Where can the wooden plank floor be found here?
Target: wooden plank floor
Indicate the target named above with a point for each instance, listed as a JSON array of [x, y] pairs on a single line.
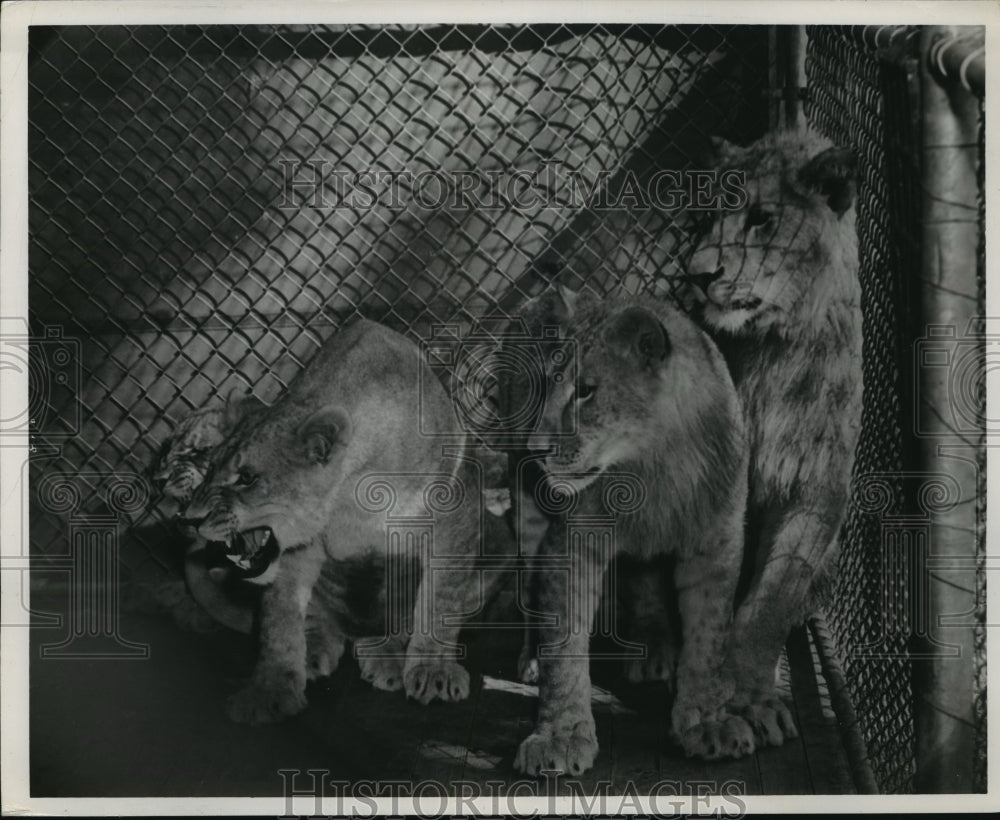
[[156, 727]]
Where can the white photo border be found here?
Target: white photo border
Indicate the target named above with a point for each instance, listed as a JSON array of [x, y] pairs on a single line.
[[15, 19]]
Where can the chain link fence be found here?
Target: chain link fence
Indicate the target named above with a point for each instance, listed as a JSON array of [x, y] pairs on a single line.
[[208, 204], [199, 220], [865, 92], [855, 96]]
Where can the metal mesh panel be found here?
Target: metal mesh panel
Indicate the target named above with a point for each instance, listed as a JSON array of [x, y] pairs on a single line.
[[164, 236], [860, 90]]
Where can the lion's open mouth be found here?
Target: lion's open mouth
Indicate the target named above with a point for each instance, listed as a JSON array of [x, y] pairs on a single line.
[[750, 303], [253, 551]]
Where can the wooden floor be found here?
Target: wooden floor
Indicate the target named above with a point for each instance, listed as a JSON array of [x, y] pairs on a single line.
[[156, 727]]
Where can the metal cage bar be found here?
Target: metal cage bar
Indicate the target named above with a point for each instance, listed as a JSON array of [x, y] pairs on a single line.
[[954, 436]]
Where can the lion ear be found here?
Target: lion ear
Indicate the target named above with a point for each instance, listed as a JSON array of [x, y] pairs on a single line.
[[557, 303], [832, 173], [565, 302], [322, 432], [638, 333]]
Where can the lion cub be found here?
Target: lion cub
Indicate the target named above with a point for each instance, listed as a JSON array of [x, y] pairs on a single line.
[[361, 439], [649, 435], [348, 601], [776, 284]]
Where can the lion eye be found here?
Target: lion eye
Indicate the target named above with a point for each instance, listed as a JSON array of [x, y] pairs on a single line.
[[585, 391], [246, 477], [757, 217]]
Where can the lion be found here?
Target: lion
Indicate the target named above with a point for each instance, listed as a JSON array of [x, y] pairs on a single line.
[[643, 397], [186, 456], [775, 283], [528, 358], [364, 436], [214, 573], [207, 595]]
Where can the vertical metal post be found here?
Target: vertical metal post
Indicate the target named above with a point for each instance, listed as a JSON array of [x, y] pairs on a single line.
[[792, 70], [947, 293], [773, 79]]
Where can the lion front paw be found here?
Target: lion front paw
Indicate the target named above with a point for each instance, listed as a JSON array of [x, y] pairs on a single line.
[[660, 664], [436, 678], [730, 737], [323, 656], [267, 701], [571, 750], [527, 664], [385, 673], [771, 721]]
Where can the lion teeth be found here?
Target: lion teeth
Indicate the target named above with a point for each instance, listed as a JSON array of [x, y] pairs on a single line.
[[257, 538], [241, 561]]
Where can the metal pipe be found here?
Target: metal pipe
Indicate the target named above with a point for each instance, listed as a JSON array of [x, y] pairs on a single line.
[[947, 441], [843, 707], [791, 54]]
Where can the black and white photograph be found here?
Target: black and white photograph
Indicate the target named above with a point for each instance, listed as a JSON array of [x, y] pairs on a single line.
[[487, 409]]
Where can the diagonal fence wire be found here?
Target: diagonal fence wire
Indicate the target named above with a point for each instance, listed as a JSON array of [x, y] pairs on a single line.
[[174, 227]]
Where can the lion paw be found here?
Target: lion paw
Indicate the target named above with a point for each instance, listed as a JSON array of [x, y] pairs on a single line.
[[527, 664], [660, 664], [385, 673], [436, 678], [571, 751], [771, 721], [267, 702], [731, 737], [323, 656]]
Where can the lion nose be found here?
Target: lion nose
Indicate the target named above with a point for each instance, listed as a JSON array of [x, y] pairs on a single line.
[[703, 280], [721, 292]]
